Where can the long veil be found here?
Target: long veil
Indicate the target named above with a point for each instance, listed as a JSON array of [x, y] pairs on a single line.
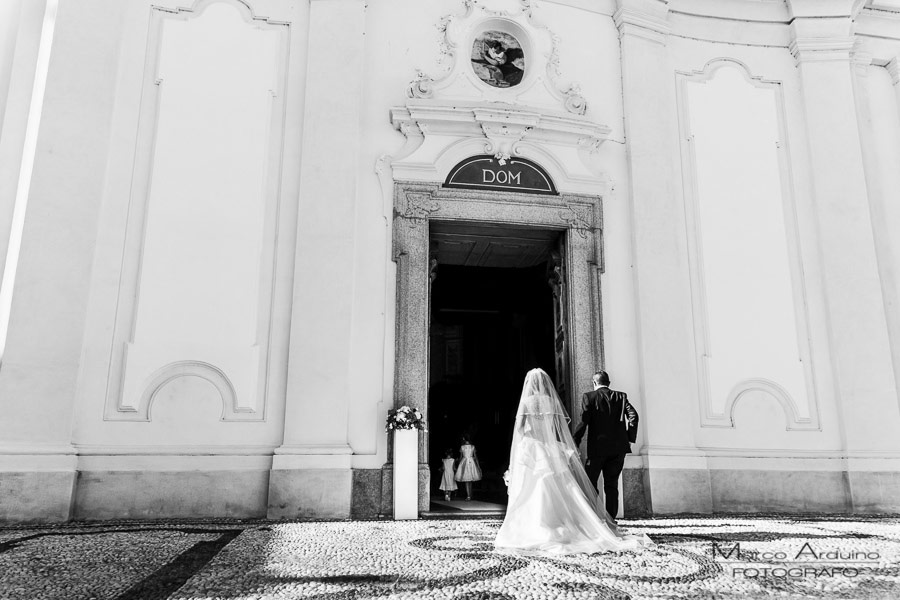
[[553, 507], [542, 417]]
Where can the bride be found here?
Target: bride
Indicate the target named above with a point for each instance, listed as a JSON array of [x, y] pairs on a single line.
[[553, 506]]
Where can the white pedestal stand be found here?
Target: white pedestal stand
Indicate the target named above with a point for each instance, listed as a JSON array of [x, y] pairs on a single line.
[[406, 474]]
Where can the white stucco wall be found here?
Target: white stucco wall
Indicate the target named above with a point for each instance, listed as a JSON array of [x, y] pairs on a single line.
[[251, 286]]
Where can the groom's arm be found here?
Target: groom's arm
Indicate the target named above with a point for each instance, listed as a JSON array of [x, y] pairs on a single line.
[[631, 417], [579, 431]]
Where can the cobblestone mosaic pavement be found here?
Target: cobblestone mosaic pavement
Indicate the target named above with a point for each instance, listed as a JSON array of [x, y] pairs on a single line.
[[701, 557]]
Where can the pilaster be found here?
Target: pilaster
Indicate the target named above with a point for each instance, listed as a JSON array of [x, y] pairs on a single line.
[[20, 52], [645, 19], [39, 372], [822, 39], [893, 68], [412, 257], [860, 351], [879, 149], [662, 281], [315, 454]]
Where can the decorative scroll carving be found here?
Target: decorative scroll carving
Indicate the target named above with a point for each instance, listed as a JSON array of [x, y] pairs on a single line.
[[420, 87], [578, 218], [432, 269], [554, 272], [458, 132], [590, 143], [502, 139], [419, 206], [458, 80], [573, 101]]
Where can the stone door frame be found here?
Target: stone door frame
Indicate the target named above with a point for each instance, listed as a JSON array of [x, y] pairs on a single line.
[[416, 204]]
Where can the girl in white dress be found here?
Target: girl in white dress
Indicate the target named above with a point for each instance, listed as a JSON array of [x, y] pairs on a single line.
[[553, 506], [448, 482], [468, 470]]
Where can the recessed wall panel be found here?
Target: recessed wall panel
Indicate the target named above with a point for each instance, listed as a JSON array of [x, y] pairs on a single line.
[[748, 298], [205, 193]]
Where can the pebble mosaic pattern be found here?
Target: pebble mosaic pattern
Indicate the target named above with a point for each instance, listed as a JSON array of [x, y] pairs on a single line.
[[721, 558]]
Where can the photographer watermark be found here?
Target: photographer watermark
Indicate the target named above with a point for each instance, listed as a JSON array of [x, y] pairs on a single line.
[[805, 562]]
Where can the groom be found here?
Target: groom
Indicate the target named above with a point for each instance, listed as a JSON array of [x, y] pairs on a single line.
[[611, 423]]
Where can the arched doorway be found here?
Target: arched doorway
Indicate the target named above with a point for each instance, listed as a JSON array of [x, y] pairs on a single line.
[[491, 319], [565, 224]]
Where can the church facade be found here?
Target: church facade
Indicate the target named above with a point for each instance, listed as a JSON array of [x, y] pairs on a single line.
[[235, 233]]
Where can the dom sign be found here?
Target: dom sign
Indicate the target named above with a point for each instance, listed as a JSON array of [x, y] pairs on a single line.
[[487, 173]]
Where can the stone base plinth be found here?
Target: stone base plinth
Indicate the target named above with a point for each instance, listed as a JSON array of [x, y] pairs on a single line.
[[40, 496], [310, 493], [151, 494]]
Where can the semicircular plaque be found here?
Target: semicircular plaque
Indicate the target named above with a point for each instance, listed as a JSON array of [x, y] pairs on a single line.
[[486, 172]]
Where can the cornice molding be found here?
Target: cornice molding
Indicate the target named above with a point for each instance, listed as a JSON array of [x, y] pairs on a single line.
[[439, 135], [821, 49], [861, 57], [822, 39], [36, 449], [502, 128], [200, 6], [824, 8], [884, 5]]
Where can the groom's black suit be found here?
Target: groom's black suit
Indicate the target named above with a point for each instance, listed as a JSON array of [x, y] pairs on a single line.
[[611, 424]]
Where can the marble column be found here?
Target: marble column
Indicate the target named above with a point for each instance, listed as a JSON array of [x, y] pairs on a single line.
[[676, 478], [411, 254], [860, 353], [311, 475]]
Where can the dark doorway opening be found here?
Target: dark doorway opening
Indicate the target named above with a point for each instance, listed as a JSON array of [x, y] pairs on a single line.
[[489, 326]]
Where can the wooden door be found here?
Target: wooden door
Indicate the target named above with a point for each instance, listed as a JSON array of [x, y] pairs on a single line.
[[556, 277]]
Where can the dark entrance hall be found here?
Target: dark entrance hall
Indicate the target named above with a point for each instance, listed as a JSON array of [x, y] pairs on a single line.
[[489, 326]]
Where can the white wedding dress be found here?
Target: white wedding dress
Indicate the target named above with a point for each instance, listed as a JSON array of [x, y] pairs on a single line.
[[553, 507]]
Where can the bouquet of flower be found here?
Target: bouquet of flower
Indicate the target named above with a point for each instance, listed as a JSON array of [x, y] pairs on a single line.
[[404, 418]]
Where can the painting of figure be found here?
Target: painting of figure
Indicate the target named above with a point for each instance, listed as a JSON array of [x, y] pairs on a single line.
[[498, 59]]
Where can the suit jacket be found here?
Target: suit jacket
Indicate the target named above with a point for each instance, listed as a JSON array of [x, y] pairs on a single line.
[[610, 420]]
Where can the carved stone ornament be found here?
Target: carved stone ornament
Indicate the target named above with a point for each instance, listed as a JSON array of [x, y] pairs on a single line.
[[499, 56], [502, 138], [419, 206], [499, 92], [420, 87], [578, 218]]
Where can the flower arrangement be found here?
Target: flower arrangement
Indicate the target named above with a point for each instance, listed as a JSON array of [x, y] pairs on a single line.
[[404, 418]]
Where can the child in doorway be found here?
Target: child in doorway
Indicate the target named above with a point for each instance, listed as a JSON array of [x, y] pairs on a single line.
[[448, 483], [468, 470]]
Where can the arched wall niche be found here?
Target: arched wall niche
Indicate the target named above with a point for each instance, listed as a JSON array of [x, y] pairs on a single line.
[[174, 371], [792, 418]]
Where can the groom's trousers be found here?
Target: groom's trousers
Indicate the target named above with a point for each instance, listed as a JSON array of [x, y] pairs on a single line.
[[610, 466]]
